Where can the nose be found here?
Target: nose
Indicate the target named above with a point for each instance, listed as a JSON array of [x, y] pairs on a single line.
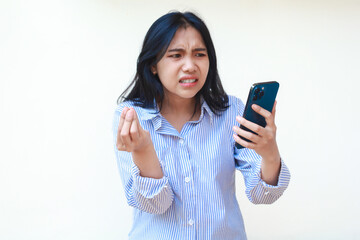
[[189, 65]]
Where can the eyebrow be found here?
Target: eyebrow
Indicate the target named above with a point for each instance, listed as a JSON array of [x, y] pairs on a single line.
[[183, 50]]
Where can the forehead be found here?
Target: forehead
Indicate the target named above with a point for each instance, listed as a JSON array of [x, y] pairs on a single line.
[[187, 37]]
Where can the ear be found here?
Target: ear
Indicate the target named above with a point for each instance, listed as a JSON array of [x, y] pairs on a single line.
[[153, 70]]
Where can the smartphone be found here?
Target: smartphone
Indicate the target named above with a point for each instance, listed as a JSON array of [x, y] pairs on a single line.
[[264, 95]]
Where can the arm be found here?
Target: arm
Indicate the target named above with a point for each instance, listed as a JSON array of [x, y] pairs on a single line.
[[131, 137], [266, 175], [257, 190], [146, 187], [264, 143]]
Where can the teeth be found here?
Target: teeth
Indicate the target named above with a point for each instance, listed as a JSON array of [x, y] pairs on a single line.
[[188, 80]]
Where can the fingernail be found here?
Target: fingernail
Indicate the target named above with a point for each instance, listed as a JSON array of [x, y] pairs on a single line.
[[239, 119], [124, 111], [129, 114]]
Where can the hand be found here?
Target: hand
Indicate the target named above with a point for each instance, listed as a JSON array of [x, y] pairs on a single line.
[[131, 137], [265, 142]]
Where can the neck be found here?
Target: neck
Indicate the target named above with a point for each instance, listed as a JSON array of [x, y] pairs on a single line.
[[180, 107]]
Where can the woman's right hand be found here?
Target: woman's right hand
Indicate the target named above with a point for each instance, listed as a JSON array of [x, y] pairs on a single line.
[[131, 137]]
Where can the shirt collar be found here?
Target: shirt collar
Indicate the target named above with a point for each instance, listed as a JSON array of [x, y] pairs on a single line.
[[147, 113], [151, 113], [205, 107]]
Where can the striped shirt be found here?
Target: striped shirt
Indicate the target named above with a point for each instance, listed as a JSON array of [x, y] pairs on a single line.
[[196, 197]]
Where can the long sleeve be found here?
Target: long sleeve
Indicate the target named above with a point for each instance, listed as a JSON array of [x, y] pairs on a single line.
[[146, 194], [196, 197], [258, 191], [249, 163]]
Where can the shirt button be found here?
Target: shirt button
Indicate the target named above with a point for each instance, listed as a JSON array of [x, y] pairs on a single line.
[[187, 179], [181, 141], [191, 222], [267, 192]]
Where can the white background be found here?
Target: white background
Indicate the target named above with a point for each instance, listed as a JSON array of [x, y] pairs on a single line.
[[64, 63]]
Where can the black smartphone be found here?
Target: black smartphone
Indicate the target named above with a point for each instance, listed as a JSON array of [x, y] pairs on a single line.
[[264, 95]]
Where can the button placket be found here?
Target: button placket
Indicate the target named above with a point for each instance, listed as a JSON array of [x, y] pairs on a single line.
[[187, 173]]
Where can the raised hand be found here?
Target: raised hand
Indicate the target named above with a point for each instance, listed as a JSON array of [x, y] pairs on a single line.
[[131, 136], [263, 142]]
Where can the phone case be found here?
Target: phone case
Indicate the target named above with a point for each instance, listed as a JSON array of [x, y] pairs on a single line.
[[264, 95]]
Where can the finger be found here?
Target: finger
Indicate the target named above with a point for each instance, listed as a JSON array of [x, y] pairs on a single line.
[[274, 110], [119, 142], [125, 131], [274, 107], [134, 130], [122, 117], [244, 143], [246, 134], [250, 125], [136, 119], [263, 112]]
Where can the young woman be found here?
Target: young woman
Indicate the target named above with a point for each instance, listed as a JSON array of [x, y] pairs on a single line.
[[175, 131]]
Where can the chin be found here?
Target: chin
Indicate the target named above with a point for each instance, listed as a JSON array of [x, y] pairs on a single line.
[[188, 96]]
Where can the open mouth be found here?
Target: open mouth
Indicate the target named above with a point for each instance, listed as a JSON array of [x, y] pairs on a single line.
[[188, 80]]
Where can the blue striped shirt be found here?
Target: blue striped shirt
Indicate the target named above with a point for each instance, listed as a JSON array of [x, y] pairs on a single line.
[[196, 197]]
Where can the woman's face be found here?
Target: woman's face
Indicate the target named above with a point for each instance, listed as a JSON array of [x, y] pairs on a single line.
[[184, 67]]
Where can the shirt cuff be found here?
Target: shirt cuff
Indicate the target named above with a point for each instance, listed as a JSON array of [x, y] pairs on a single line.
[[283, 181], [148, 187]]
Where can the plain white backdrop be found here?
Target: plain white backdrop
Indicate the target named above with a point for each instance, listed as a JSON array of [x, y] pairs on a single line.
[[64, 63]]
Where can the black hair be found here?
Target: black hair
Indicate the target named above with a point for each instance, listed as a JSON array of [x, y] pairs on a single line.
[[146, 89]]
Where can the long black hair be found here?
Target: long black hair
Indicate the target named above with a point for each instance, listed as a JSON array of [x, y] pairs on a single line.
[[146, 89]]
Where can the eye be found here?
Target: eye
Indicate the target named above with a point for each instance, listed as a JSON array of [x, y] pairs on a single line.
[[200, 54], [176, 55]]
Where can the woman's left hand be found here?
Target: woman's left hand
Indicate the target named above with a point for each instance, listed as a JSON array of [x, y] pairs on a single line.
[[264, 143]]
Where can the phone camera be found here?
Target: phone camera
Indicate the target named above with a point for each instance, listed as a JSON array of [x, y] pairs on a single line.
[[261, 94], [258, 93]]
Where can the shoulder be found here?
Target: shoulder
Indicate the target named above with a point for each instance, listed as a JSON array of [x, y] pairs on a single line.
[[235, 104], [233, 100], [124, 104], [235, 108], [143, 113]]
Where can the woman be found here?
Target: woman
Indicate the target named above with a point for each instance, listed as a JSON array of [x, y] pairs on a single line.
[[175, 132]]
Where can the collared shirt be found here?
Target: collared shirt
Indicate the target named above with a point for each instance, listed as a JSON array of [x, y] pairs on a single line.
[[195, 199]]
